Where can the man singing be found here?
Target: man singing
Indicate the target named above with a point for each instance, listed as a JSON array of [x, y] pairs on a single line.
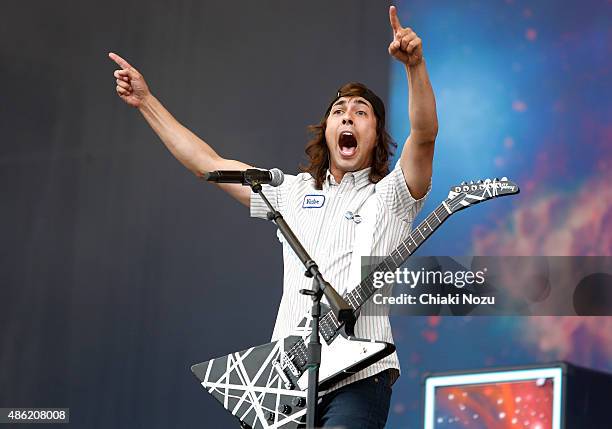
[[344, 205]]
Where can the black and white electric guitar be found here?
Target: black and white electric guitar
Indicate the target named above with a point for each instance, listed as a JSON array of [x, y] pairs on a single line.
[[266, 386]]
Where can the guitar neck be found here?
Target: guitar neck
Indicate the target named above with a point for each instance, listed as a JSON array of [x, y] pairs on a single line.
[[360, 294]]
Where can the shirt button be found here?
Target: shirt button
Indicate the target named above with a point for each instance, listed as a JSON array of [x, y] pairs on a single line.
[[349, 215]]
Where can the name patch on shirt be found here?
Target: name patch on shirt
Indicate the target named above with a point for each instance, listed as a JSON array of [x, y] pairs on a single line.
[[313, 201]]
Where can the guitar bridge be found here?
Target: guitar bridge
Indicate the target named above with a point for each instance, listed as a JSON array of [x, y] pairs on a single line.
[[282, 375], [287, 363]]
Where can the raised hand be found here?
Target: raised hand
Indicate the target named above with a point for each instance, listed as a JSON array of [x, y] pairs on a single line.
[[131, 86], [406, 45]]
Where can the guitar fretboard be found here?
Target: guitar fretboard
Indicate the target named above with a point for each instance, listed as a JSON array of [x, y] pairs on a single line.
[[364, 290], [328, 324]]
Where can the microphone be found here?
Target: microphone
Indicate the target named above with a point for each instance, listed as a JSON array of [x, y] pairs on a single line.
[[272, 177]]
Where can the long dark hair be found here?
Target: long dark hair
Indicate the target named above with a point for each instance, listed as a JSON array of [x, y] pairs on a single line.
[[318, 153]]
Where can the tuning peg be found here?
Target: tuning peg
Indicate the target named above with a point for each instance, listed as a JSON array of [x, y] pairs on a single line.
[[505, 179], [496, 179], [471, 182], [463, 183], [479, 182]]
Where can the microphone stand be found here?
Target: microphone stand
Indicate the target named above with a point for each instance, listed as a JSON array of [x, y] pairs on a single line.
[[342, 311]]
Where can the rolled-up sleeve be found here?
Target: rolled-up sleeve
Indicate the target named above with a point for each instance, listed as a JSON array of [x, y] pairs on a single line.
[[394, 191]]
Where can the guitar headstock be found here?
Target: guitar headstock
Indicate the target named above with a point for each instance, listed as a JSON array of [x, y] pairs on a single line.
[[467, 194]]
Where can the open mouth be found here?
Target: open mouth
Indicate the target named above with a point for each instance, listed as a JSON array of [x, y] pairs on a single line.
[[347, 143]]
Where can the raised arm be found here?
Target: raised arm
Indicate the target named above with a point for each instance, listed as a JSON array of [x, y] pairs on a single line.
[[417, 155], [189, 149]]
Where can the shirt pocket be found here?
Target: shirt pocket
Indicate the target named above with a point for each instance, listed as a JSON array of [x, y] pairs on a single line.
[[342, 236]]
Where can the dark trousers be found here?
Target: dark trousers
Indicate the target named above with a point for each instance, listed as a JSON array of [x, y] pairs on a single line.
[[363, 404]]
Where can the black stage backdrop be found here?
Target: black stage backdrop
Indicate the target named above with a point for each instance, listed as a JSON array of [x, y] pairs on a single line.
[[118, 268]]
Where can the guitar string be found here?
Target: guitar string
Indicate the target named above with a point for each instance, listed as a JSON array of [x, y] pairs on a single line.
[[300, 347], [323, 323]]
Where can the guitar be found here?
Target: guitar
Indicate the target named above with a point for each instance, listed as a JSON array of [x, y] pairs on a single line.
[[266, 386]]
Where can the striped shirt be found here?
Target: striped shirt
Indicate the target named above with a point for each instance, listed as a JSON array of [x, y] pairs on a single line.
[[325, 223]]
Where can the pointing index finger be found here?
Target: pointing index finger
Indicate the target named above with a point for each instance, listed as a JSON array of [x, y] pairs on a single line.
[[120, 61], [394, 20]]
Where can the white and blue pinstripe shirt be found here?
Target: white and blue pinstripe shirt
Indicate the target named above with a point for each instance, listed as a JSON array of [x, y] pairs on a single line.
[[336, 242]]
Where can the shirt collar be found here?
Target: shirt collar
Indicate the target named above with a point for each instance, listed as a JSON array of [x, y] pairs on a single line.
[[358, 178]]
